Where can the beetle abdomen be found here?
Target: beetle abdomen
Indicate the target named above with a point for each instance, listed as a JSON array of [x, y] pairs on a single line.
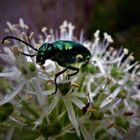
[[71, 52]]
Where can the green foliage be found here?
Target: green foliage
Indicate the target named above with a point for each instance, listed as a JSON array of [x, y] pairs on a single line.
[[4, 85], [96, 115], [25, 133], [117, 72], [5, 111], [122, 121], [49, 129], [32, 67], [69, 136], [64, 87], [102, 134], [89, 68], [120, 18]]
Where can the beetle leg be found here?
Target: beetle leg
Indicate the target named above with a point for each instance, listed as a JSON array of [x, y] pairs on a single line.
[[55, 79], [74, 69]]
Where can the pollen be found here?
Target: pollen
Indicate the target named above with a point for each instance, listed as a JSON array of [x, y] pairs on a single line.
[[91, 110], [31, 35], [75, 85], [29, 97], [16, 51]]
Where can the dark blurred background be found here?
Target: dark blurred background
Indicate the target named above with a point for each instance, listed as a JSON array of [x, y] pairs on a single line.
[[120, 18]]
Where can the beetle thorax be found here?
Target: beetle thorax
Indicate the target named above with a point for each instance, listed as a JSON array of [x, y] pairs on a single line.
[[46, 51]]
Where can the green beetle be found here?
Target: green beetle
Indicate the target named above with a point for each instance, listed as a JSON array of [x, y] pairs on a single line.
[[64, 52]]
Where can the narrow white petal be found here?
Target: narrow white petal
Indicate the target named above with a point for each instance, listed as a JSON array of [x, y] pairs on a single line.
[[48, 92], [17, 121], [13, 74], [101, 66], [8, 56], [9, 97], [108, 37], [78, 102], [9, 134], [39, 93], [7, 74], [21, 23], [96, 34], [130, 67], [86, 134], [71, 115], [81, 40], [52, 105], [110, 98], [80, 95]]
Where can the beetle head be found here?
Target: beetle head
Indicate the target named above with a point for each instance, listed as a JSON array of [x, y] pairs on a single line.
[[46, 51]]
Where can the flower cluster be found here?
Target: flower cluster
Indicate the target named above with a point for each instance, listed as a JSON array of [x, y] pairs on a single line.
[[100, 102]]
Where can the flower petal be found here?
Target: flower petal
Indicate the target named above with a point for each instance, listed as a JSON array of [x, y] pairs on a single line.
[[78, 102], [9, 134], [13, 74], [52, 105], [71, 115], [9, 97], [39, 93], [86, 134], [110, 98]]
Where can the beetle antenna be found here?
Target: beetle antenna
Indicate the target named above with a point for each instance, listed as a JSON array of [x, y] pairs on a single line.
[[31, 55], [12, 37]]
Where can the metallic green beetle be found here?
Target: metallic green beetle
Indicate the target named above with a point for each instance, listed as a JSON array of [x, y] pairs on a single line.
[[65, 53]]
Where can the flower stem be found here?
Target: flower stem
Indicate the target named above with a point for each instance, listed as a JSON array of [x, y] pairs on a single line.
[[81, 83]]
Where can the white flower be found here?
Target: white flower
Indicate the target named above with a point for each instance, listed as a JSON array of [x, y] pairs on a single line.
[[104, 89]]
